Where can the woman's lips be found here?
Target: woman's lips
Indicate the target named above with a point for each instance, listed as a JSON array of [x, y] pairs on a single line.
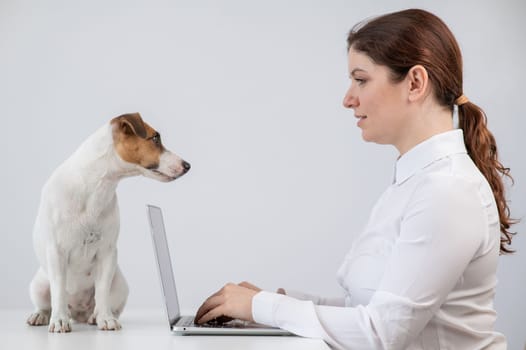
[[360, 119]]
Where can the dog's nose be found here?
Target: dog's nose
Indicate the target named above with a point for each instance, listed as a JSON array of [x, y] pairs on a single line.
[[186, 166]]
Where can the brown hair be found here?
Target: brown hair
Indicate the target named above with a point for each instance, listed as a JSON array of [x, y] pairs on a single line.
[[403, 39]]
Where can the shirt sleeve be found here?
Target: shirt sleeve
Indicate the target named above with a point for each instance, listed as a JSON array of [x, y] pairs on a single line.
[[316, 299], [442, 229]]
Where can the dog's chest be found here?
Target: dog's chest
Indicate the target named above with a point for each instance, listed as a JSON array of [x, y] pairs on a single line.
[[88, 229], [91, 237], [89, 240], [85, 247]]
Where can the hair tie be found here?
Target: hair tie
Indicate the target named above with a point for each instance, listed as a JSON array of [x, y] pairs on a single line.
[[461, 100]]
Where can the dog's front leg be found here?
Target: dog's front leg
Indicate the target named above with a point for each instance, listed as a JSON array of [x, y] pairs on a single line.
[[57, 260], [103, 315]]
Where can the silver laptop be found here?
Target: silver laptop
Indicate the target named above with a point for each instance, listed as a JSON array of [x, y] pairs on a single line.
[[184, 325]]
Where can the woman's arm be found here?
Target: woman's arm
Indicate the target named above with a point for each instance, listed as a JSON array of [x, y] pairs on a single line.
[[317, 300]]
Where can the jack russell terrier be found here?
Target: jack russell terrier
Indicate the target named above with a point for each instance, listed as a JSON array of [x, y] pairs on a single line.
[[76, 229]]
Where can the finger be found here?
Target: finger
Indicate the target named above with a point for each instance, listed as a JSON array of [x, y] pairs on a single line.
[[211, 303], [205, 306], [249, 286], [212, 314]]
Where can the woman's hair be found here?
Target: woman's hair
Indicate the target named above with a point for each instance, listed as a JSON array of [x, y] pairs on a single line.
[[401, 40]]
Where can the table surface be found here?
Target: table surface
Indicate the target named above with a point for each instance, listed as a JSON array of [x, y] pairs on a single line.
[[141, 329]]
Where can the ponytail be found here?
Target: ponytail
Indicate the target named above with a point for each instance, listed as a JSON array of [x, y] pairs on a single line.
[[482, 149]]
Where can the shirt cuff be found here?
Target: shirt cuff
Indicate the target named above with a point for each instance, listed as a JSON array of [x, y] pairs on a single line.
[[264, 305]]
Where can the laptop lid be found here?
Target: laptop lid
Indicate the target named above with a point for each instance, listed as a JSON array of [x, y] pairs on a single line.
[[162, 254]]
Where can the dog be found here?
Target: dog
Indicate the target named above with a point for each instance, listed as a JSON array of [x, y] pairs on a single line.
[[77, 225]]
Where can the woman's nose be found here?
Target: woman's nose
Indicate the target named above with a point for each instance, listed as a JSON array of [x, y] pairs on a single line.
[[350, 100]]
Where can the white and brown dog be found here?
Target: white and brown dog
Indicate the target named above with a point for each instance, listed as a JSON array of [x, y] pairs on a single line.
[[76, 229]]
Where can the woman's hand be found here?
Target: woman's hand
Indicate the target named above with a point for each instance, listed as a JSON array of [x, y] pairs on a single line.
[[232, 301]]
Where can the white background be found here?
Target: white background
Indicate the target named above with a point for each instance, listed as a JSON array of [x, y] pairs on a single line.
[[249, 92]]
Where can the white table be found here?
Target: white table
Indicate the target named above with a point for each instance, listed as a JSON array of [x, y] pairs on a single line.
[[142, 329]]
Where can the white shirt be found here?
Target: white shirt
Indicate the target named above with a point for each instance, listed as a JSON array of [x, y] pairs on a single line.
[[422, 275]]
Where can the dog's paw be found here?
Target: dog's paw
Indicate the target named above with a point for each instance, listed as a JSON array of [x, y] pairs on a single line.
[[59, 324], [39, 318], [108, 324]]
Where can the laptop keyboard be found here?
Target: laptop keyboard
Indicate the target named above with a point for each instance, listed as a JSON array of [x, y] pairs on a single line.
[[189, 322]]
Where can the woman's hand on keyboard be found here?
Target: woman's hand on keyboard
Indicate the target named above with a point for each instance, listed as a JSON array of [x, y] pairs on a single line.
[[233, 300]]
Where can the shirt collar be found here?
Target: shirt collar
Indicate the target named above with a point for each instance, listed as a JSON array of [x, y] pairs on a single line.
[[427, 152]]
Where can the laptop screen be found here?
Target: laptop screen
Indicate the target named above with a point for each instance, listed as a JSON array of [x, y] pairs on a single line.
[[162, 254]]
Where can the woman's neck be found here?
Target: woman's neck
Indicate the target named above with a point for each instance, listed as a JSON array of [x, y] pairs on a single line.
[[428, 121]]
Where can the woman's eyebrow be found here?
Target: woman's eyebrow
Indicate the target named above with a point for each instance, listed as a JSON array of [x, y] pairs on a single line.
[[357, 70]]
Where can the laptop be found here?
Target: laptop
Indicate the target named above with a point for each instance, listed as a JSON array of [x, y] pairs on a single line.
[[184, 325]]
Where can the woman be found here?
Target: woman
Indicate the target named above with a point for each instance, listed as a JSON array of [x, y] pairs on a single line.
[[422, 275]]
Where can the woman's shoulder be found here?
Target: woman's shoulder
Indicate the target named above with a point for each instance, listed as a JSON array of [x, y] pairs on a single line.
[[458, 176], [451, 187]]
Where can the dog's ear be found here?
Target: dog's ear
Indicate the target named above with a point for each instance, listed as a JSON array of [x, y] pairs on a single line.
[[130, 124]]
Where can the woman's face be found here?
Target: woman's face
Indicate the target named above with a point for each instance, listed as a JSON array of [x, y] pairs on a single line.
[[379, 104]]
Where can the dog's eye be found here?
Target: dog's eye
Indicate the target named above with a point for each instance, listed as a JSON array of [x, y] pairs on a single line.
[[156, 139]]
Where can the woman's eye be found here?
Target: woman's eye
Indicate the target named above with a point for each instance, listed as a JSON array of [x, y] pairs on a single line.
[[360, 81]]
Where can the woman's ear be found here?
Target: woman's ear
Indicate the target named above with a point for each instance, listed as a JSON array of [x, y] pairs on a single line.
[[418, 82]]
